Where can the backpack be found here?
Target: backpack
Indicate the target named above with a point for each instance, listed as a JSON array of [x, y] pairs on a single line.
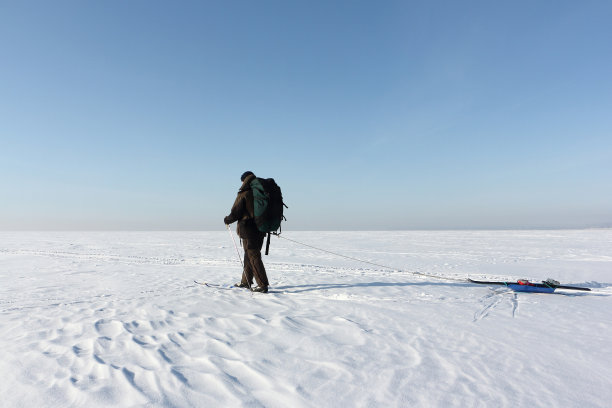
[[268, 207]]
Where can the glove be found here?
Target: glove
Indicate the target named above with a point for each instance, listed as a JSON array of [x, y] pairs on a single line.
[[226, 220]]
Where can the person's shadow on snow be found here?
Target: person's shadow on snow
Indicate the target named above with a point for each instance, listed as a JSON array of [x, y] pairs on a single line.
[[326, 286]]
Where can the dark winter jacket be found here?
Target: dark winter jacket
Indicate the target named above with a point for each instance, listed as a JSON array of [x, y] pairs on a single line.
[[243, 212]]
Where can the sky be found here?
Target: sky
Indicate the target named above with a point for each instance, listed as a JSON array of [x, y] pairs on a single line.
[[370, 115]]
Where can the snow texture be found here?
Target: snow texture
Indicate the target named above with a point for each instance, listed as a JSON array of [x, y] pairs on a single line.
[[98, 319]]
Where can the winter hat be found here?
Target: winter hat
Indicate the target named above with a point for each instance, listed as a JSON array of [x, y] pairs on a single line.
[[245, 175]]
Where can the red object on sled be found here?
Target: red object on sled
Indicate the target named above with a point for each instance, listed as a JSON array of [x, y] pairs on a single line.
[[524, 282]]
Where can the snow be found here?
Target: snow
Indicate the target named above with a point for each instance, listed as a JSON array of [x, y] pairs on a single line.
[[98, 319]]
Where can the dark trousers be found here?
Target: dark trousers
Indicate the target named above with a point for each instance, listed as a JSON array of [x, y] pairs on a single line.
[[253, 265]]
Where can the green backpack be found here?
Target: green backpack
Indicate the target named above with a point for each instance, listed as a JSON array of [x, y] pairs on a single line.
[[268, 205]]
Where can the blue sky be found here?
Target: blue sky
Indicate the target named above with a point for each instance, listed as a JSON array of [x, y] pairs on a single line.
[[369, 114]]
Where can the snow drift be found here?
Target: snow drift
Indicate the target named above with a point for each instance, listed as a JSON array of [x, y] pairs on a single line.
[[115, 319]]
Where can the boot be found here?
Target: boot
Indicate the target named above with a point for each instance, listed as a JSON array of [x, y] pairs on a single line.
[[261, 289]]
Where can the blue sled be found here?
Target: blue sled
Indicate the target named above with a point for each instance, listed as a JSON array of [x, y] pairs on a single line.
[[527, 288], [523, 285]]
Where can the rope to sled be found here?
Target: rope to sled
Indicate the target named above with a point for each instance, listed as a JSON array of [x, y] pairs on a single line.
[[373, 263]]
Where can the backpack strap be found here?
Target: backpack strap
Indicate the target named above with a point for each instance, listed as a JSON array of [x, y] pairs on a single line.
[[268, 244]]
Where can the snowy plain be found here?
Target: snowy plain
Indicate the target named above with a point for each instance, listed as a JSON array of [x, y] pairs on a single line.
[[99, 319]]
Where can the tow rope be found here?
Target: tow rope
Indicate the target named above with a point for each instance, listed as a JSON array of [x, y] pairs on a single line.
[[376, 264]]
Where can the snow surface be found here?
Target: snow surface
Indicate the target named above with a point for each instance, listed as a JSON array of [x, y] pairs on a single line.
[[102, 319]]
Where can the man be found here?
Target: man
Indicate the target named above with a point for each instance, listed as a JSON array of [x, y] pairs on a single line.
[[252, 239]]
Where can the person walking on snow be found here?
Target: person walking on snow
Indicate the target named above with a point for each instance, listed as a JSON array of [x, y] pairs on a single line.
[[252, 239]]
